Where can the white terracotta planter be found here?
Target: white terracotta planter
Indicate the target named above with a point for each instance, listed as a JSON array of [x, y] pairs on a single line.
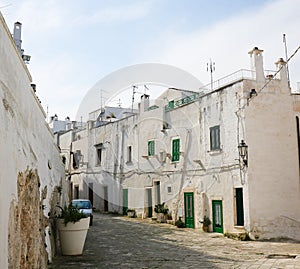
[[72, 236]]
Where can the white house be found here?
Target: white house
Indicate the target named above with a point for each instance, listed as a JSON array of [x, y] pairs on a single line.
[[184, 151]]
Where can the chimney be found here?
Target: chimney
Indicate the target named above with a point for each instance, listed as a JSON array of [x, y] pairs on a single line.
[[281, 65], [145, 102], [17, 36], [257, 66]]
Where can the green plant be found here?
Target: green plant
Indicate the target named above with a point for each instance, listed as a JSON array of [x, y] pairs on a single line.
[[71, 213], [206, 221], [179, 223], [131, 213], [161, 208]]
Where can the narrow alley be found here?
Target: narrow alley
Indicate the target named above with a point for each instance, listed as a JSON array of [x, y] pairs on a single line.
[[119, 242]]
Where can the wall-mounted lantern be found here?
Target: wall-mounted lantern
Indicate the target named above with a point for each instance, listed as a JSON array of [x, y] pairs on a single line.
[[243, 152]]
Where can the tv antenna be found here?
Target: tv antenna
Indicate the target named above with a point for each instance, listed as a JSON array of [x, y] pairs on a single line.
[[133, 93], [286, 58], [210, 67]]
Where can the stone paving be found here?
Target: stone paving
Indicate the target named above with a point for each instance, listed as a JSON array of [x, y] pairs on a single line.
[[118, 242]]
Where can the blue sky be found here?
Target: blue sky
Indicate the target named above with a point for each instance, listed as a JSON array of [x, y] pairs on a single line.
[[73, 44]]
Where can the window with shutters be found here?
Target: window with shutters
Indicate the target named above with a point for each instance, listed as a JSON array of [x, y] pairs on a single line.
[[215, 138], [175, 150], [151, 148]]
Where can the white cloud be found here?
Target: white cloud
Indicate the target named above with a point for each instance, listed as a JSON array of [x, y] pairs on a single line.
[[227, 42], [118, 13]]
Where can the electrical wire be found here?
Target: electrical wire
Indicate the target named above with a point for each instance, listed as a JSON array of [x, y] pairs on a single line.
[[265, 85]]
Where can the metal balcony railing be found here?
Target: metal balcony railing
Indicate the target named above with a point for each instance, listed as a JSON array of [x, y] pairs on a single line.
[[206, 89]]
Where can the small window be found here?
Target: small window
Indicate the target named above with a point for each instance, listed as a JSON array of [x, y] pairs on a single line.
[[129, 154], [169, 189], [99, 155], [99, 149], [215, 138], [151, 148], [175, 150]]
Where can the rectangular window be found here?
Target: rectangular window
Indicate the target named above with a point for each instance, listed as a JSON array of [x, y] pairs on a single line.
[[239, 206], [175, 150], [215, 138], [99, 148], [169, 189], [129, 154], [151, 148], [99, 155]]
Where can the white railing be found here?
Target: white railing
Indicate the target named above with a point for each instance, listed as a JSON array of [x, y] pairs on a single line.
[[234, 77]]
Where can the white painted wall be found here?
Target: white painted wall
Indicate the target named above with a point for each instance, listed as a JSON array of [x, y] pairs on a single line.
[[25, 139]]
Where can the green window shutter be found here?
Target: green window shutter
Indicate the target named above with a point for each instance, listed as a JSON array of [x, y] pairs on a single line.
[[175, 150], [151, 148], [215, 138]]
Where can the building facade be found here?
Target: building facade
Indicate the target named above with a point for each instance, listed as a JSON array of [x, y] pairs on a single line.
[[184, 151], [32, 174]]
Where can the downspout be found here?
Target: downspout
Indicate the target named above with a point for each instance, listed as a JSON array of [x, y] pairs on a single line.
[[187, 140]]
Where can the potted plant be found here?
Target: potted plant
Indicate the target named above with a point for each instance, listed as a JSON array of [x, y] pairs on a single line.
[[205, 223], [162, 211], [131, 213], [179, 223], [72, 227]]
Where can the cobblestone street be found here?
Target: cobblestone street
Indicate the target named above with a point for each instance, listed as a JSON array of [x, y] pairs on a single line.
[[119, 242]]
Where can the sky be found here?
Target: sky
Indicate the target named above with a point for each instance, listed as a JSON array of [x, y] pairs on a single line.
[[73, 44]]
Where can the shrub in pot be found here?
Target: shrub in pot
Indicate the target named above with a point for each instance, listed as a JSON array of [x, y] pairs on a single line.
[[162, 211], [72, 227]]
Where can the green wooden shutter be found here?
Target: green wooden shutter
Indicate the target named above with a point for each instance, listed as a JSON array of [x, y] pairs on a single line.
[[151, 148], [175, 150], [215, 138]]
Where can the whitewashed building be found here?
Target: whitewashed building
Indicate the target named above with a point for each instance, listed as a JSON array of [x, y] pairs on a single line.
[[184, 151], [32, 174]]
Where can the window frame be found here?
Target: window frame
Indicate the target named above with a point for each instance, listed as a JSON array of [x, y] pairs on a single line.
[[99, 152], [215, 141], [129, 154], [175, 149], [151, 147]]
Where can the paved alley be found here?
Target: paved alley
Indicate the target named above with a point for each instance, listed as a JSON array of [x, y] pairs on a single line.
[[115, 242]]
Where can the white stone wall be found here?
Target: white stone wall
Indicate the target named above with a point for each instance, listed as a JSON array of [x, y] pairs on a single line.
[[26, 143], [273, 173], [270, 182]]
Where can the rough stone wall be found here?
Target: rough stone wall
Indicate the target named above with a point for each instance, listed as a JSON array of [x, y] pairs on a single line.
[[27, 223]]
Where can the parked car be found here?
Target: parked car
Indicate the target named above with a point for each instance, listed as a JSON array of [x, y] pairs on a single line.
[[84, 206]]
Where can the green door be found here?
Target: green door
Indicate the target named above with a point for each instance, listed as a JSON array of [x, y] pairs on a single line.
[[217, 216], [189, 209], [125, 201]]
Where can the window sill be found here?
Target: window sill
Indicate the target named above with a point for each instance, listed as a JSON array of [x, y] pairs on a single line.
[[238, 227], [215, 151]]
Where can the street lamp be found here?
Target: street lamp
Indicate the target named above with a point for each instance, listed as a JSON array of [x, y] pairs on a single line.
[[243, 152]]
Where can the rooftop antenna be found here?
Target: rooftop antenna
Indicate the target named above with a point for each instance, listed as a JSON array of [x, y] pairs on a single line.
[[210, 67], [133, 92], [286, 58], [119, 103], [146, 88]]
